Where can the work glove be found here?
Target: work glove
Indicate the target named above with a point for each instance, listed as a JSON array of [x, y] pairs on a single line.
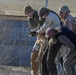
[[32, 33]]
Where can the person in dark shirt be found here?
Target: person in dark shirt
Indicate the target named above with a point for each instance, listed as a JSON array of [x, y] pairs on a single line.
[[65, 37]]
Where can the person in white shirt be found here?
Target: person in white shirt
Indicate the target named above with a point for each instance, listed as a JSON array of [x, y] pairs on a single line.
[[51, 20]]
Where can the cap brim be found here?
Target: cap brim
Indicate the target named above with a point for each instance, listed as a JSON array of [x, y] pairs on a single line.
[[60, 11]]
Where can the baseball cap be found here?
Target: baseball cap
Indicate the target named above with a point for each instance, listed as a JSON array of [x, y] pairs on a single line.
[[64, 9]]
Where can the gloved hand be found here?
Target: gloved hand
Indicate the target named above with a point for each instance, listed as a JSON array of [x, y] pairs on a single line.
[[32, 33]]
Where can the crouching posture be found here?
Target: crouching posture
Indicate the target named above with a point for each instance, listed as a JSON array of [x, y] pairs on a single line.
[[67, 38], [41, 42], [51, 20]]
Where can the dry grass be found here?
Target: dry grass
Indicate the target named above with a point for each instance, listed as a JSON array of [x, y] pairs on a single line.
[[15, 7]]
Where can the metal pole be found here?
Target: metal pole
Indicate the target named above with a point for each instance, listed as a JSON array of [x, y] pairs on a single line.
[[46, 4]]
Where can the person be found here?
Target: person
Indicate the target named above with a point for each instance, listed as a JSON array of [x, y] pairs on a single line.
[[51, 20], [68, 19], [67, 38], [34, 24]]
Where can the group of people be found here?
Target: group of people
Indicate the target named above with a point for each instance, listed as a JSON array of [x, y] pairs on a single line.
[[56, 40]]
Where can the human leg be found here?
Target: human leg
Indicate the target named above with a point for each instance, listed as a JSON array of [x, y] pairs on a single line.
[[52, 53], [67, 67], [41, 59], [34, 63], [44, 64], [51, 59], [69, 64]]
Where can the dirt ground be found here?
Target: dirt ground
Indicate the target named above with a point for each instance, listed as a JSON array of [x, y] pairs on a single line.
[[10, 70]]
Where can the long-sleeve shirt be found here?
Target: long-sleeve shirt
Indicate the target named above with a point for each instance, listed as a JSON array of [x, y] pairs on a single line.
[[33, 22], [69, 21], [51, 20], [66, 41], [67, 38]]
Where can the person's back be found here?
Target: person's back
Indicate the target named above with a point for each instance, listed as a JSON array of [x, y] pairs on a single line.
[[54, 20], [68, 33]]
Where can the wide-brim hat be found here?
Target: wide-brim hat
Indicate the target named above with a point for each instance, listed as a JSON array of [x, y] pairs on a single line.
[[27, 9], [41, 12]]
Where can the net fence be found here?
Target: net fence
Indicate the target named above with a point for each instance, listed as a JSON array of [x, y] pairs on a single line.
[[15, 45]]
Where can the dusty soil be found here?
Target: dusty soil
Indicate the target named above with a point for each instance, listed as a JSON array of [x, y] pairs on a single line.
[[10, 70]]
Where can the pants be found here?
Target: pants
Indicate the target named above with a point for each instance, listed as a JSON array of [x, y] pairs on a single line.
[[44, 64], [48, 63], [38, 49], [51, 60], [69, 64], [34, 64], [59, 59]]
